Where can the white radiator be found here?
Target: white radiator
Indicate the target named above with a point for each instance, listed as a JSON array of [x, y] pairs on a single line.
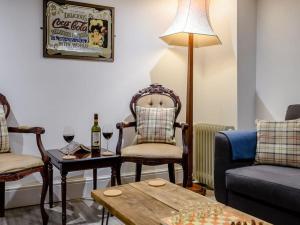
[[204, 147]]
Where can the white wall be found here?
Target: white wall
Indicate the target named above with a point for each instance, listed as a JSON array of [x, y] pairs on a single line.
[[278, 62], [246, 54], [54, 93], [215, 97]]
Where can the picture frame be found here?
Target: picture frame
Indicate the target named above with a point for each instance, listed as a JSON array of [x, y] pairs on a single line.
[[75, 30]]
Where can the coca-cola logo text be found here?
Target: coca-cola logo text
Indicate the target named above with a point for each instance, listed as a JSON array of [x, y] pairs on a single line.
[[70, 25]]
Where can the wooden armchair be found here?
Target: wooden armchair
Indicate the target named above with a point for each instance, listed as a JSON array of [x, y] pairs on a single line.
[[14, 167], [154, 153]]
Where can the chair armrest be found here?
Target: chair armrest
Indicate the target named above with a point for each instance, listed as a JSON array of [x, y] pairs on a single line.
[[33, 130], [25, 129], [223, 162], [184, 127], [120, 126]]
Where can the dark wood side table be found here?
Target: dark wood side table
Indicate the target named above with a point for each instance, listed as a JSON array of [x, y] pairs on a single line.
[[83, 161]]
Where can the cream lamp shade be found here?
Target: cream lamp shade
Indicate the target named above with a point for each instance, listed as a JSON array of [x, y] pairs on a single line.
[[191, 18]]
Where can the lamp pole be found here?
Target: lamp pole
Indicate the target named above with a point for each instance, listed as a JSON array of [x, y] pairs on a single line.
[[189, 106]]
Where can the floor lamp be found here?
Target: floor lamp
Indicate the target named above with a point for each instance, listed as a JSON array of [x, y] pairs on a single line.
[[191, 28]]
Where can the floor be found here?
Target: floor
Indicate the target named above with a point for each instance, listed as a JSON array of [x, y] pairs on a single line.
[[81, 211]]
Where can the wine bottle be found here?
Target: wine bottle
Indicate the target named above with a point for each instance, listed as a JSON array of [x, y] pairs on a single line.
[[96, 135]]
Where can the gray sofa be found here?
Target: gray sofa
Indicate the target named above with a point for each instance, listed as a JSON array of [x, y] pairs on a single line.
[[268, 192]]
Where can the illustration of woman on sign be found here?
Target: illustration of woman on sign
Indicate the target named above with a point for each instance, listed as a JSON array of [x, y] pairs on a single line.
[[97, 33]]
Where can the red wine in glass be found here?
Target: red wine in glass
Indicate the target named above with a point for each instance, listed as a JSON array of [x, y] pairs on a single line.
[[68, 138], [68, 135], [107, 135]]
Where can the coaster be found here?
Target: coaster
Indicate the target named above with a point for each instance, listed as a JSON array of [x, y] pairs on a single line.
[[112, 193], [69, 157], [156, 183], [107, 153]]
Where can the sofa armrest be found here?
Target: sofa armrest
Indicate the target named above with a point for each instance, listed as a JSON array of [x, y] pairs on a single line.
[[223, 162]]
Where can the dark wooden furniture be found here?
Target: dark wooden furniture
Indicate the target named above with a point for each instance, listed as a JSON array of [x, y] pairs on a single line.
[[155, 96], [83, 161], [13, 176], [152, 204]]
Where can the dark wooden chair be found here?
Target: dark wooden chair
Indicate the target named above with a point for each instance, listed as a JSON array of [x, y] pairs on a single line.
[[14, 167], [155, 153]]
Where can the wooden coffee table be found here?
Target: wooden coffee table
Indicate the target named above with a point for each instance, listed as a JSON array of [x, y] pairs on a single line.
[[147, 205]]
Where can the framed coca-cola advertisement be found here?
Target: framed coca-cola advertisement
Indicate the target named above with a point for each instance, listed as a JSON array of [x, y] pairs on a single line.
[[77, 30]]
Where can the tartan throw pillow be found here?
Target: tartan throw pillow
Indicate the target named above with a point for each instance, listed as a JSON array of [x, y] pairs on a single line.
[[155, 125], [4, 141], [278, 143]]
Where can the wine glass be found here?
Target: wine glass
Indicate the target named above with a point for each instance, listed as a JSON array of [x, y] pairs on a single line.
[[68, 135], [107, 132]]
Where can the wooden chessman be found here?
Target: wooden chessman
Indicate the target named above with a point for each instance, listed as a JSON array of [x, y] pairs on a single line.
[[245, 223]]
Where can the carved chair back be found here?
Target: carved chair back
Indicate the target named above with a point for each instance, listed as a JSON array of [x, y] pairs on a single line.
[[155, 96], [4, 102]]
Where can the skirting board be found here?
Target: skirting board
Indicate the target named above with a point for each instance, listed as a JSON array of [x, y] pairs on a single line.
[[76, 188]]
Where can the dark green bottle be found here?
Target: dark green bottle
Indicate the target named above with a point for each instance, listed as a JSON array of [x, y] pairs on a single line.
[[96, 135]]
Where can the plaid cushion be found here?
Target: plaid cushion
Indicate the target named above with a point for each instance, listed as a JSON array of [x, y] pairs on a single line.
[[155, 125], [4, 142], [278, 143]]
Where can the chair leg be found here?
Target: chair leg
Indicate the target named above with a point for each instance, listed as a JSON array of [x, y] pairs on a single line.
[[119, 173], [171, 172], [2, 199], [138, 172], [185, 173], [45, 177]]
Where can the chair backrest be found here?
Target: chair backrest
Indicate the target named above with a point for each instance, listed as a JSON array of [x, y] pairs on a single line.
[[155, 96], [293, 112], [4, 102]]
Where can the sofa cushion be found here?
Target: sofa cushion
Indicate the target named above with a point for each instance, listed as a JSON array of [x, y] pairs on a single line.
[[151, 150], [278, 143], [279, 186], [11, 163]]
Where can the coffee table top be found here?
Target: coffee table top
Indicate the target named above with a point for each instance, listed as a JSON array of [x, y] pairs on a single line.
[[141, 203]]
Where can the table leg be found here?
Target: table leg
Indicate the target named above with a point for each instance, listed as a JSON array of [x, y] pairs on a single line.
[[113, 175], [95, 179], [107, 218], [50, 185], [103, 213], [64, 197]]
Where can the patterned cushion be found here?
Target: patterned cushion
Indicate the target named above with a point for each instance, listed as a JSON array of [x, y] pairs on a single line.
[[278, 143], [4, 141], [155, 125]]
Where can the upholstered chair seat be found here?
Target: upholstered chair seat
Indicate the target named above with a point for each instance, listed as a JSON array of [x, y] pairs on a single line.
[[153, 150], [11, 163]]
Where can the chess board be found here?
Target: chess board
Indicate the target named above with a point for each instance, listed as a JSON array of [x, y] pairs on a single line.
[[225, 218]]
